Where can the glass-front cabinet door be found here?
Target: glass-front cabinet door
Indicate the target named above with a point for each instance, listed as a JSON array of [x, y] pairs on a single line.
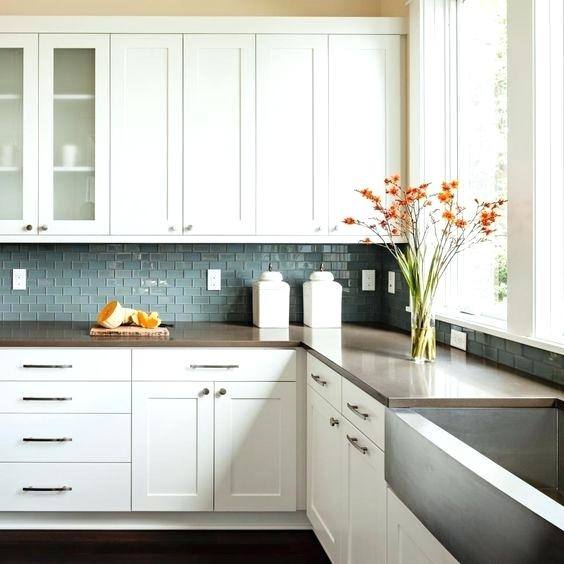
[[18, 134], [73, 134]]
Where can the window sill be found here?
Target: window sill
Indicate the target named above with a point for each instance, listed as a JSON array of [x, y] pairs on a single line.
[[497, 328]]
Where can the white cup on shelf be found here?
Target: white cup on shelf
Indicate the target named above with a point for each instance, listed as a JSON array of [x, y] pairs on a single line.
[[69, 155], [7, 154]]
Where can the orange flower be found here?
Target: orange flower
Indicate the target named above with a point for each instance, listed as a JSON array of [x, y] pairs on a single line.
[[448, 215], [369, 195], [461, 223], [454, 184], [349, 221], [395, 178], [393, 191], [366, 241], [445, 196]]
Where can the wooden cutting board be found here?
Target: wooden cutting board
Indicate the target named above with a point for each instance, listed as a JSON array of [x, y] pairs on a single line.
[[129, 331]]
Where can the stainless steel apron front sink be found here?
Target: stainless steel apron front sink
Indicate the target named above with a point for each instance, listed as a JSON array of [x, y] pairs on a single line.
[[487, 482]]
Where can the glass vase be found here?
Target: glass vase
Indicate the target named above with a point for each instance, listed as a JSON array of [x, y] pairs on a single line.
[[423, 337]]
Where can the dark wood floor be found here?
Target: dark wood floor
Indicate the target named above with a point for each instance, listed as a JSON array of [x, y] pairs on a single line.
[[160, 547]]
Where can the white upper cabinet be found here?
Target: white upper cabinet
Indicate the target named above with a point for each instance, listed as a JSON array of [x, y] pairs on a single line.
[[292, 134], [74, 120], [18, 134], [146, 169], [365, 135], [219, 134]]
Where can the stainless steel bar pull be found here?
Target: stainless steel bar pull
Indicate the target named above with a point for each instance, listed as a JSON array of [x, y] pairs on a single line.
[[60, 489], [214, 366], [30, 398], [47, 366], [354, 443], [47, 440], [318, 379], [354, 409]]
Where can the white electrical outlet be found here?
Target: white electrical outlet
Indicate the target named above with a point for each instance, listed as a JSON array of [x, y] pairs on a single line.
[[391, 282], [214, 279], [19, 279], [458, 339], [368, 280]]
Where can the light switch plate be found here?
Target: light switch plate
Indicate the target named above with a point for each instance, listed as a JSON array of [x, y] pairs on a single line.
[[19, 279], [391, 282], [214, 279], [458, 339], [368, 280]]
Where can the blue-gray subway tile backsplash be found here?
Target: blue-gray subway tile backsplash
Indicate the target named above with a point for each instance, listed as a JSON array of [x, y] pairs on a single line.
[[71, 282]]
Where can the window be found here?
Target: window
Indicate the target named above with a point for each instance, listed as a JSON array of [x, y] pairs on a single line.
[[481, 273], [549, 169]]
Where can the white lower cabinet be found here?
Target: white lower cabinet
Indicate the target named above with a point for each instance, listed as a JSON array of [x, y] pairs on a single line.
[[324, 473], [409, 542], [172, 459], [255, 446], [364, 503], [346, 488]]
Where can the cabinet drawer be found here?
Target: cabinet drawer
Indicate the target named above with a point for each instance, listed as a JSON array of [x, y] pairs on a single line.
[[364, 412], [210, 364], [93, 487], [324, 381], [65, 397], [77, 438], [65, 364]]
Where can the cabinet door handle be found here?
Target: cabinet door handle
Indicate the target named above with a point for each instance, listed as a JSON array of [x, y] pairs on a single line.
[[47, 366], [214, 366], [205, 391], [354, 443], [222, 391], [333, 422], [43, 227], [354, 409], [318, 380], [60, 489], [29, 398], [28, 227], [47, 440]]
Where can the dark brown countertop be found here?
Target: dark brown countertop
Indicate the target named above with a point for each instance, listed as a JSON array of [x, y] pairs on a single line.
[[375, 359]]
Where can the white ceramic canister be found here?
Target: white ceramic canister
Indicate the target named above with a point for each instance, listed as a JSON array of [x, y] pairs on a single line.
[[322, 300], [271, 300]]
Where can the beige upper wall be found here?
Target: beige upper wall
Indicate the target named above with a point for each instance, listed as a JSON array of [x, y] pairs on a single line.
[[205, 7]]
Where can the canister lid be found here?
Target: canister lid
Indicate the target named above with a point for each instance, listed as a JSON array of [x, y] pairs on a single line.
[[321, 275], [271, 275]]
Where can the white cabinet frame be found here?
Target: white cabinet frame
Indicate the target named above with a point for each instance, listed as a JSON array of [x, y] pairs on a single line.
[[29, 135], [101, 45]]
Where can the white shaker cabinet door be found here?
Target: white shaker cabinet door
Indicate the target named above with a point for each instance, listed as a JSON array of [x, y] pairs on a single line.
[[365, 127], [255, 446], [292, 134], [74, 134], [172, 446], [146, 169], [219, 134], [324, 473], [409, 541], [18, 134], [364, 507]]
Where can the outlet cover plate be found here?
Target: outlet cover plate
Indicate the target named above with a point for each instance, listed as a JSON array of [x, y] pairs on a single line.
[[368, 280], [391, 282], [19, 279], [458, 339], [214, 279]]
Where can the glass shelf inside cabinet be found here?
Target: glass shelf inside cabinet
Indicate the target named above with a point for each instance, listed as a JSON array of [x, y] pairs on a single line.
[[74, 134], [11, 133]]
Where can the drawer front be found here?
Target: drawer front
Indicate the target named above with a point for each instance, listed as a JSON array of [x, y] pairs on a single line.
[[72, 438], [65, 397], [364, 412], [65, 364], [93, 487], [210, 364], [325, 381]]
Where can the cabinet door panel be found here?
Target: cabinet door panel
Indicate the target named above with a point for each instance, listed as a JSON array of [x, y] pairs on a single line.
[[409, 542], [146, 134], [219, 126], [324, 473], [292, 134], [364, 122], [364, 538], [255, 446], [172, 458], [74, 119], [18, 134]]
